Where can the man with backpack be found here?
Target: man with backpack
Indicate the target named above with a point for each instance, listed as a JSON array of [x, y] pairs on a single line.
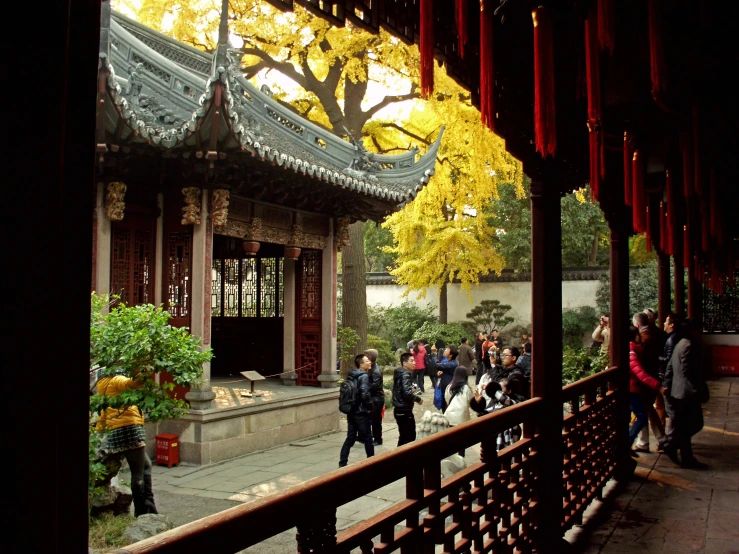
[[403, 398], [378, 396], [355, 400]]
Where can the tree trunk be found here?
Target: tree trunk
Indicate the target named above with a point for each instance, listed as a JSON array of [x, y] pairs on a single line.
[[443, 311], [594, 251], [354, 284]]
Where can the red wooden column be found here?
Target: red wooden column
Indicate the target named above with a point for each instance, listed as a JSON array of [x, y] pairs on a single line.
[[663, 287], [546, 356], [620, 321], [679, 278]]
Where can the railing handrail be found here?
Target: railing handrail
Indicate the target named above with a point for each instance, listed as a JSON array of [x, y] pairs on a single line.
[[263, 518], [583, 385]]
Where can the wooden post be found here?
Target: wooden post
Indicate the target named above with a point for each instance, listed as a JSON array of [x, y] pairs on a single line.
[[546, 356], [679, 278], [620, 321], [663, 288], [695, 294]]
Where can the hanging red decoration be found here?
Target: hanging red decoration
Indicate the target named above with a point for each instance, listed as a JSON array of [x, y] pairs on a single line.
[[697, 180], [638, 195], [460, 15], [686, 247], [687, 156], [648, 233], [592, 70], [705, 228], [658, 68], [544, 101], [713, 205], [671, 223], [487, 73], [427, 47], [606, 24], [663, 229], [628, 157]]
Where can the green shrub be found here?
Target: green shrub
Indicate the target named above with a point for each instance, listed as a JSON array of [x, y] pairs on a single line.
[[578, 363], [397, 324], [576, 323], [385, 354], [450, 333]]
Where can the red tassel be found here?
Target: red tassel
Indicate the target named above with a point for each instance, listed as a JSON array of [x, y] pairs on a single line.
[[671, 223], [686, 247], [697, 181], [628, 157], [427, 48], [687, 155], [606, 24], [705, 228], [656, 50], [592, 69], [713, 205], [663, 228], [637, 195], [487, 71], [544, 104], [460, 14], [648, 232]]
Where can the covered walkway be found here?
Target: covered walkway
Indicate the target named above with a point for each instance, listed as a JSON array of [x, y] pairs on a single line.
[[665, 508]]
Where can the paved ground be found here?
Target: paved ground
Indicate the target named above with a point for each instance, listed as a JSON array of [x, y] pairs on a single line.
[[664, 509]]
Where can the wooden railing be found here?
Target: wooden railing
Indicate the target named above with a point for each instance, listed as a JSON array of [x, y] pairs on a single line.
[[490, 506]]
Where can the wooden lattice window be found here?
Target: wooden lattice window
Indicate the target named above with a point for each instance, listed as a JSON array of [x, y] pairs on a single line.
[[247, 287], [179, 248], [132, 260], [308, 331], [721, 311]]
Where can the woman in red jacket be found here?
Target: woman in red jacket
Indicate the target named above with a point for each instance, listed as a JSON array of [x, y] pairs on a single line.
[[639, 379]]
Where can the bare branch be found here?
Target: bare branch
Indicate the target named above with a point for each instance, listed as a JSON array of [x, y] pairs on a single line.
[[425, 141], [287, 69], [412, 95]]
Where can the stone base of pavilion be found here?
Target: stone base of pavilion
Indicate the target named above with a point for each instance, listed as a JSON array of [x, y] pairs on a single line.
[[237, 425]]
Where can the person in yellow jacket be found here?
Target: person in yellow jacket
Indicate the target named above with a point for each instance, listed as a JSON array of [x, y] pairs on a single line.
[[126, 437]]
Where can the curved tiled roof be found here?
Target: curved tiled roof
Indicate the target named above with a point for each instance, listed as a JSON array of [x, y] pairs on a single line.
[[168, 102]]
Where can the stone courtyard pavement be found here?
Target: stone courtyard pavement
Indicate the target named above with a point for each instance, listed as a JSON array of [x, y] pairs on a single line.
[[663, 509]]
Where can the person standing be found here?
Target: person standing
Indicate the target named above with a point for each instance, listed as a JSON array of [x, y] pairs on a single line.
[[378, 397], [602, 334], [652, 345], [358, 419], [685, 389], [126, 437], [419, 358], [639, 379], [479, 354], [457, 397], [524, 361], [466, 356], [445, 370], [403, 399]]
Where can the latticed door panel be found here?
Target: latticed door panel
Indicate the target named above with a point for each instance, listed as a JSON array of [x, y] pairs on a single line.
[[178, 260], [308, 320], [132, 260]]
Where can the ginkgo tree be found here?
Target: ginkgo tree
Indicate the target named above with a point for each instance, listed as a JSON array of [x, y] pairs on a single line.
[[350, 80]]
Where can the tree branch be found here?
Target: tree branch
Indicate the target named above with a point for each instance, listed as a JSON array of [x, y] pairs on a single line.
[[412, 95], [406, 132], [287, 69]]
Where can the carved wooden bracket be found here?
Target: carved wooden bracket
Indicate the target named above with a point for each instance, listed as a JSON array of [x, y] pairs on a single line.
[[342, 233], [219, 211], [254, 229], [114, 204], [191, 209]]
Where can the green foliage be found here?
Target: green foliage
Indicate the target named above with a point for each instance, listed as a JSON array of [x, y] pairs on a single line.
[[139, 343], [578, 363], [576, 323], [642, 289], [346, 339], [96, 469], [450, 333], [583, 225], [106, 532], [398, 324], [376, 240], [385, 354], [512, 334], [489, 315]]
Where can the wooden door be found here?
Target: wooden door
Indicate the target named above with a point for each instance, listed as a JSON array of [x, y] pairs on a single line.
[[308, 318], [133, 243]]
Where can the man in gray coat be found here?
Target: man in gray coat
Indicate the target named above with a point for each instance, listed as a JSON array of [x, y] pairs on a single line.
[[684, 389], [466, 356]]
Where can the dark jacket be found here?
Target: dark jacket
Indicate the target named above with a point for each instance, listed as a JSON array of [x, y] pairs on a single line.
[[364, 404], [524, 363], [376, 391], [682, 376], [478, 350], [664, 359], [652, 342], [403, 395], [466, 358], [447, 367]]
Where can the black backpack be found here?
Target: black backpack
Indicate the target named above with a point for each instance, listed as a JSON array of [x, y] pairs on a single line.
[[430, 359], [347, 395]]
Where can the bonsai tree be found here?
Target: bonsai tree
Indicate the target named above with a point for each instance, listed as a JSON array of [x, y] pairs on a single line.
[[489, 315], [138, 342]]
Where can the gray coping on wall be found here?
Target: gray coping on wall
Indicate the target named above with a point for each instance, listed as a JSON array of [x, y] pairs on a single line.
[[167, 102], [508, 275]]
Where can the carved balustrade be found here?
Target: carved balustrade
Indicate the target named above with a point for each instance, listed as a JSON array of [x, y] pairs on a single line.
[[490, 506]]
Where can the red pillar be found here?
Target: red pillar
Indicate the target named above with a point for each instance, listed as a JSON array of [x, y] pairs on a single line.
[[546, 360], [679, 278], [663, 288], [620, 321]]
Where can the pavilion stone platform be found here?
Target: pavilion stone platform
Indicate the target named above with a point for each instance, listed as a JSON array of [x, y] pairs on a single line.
[[238, 425]]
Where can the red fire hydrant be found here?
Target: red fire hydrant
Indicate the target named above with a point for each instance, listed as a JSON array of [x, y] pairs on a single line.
[[168, 451]]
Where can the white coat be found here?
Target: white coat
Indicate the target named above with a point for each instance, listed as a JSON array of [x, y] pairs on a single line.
[[458, 409]]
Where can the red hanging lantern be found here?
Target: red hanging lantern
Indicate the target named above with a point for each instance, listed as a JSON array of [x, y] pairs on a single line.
[[487, 71], [638, 195], [671, 223], [606, 24], [544, 104], [657, 64], [460, 15], [687, 156], [628, 157], [686, 247], [427, 47], [592, 69]]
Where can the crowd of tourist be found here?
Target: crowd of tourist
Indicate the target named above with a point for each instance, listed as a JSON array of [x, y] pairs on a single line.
[[666, 386]]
